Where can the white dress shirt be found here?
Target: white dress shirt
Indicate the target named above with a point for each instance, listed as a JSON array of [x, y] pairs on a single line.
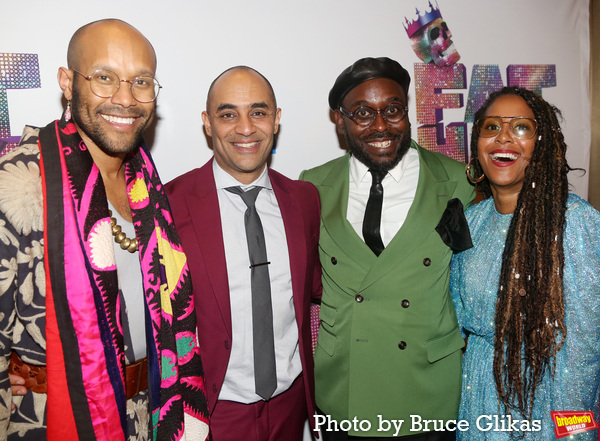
[[239, 379], [399, 189]]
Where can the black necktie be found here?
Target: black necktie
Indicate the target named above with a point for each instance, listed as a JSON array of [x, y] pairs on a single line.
[[372, 220], [265, 375]]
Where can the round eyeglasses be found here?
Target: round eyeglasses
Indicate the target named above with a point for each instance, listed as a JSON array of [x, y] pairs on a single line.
[[364, 115], [105, 83], [520, 126]]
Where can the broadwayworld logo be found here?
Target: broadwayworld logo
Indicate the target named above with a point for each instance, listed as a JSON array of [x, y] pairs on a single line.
[[570, 423]]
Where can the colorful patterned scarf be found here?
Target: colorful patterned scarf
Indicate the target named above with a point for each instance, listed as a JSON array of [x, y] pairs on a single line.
[[85, 355]]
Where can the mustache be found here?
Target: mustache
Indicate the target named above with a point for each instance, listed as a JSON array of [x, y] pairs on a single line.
[[380, 135], [122, 113]]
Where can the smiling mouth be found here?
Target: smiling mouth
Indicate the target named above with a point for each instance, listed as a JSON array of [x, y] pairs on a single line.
[[118, 119], [246, 145], [380, 144], [504, 157]]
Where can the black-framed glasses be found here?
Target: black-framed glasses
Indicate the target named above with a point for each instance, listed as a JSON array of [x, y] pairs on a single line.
[[520, 126], [105, 83], [364, 115]]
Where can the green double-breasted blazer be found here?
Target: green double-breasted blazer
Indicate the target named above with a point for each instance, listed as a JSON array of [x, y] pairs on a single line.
[[389, 345]]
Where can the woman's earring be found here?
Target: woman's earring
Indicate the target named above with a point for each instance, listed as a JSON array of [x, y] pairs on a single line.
[[471, 178], [68, 112]]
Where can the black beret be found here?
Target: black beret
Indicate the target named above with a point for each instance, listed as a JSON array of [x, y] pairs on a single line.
[[363, 70]]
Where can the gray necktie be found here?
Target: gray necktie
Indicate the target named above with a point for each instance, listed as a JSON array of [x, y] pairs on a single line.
[[265, 376]]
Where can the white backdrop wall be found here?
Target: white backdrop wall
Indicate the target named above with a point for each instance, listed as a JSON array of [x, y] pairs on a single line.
[[301, 46]]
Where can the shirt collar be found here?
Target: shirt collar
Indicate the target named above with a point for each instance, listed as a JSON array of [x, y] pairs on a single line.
[[225, 180], [359, 171]]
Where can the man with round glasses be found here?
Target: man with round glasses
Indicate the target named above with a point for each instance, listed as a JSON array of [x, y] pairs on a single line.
[[105, 84], [389, 347], [95, 290]]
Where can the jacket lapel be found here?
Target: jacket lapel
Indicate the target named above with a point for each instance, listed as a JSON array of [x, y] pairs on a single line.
[[203, 206], [293, 222], [433, 192], [333, 192]]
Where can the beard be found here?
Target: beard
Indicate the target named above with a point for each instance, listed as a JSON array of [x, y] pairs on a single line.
[[86, 117], [385, 162]]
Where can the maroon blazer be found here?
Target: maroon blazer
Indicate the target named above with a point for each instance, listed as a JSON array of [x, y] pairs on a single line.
[[195, 207]]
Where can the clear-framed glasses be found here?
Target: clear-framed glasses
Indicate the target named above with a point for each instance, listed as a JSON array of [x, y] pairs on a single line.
[[520, 126], [364, 115], [105, 83]]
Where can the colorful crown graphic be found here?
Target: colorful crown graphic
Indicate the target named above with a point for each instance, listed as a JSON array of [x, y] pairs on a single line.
[[421, 19]]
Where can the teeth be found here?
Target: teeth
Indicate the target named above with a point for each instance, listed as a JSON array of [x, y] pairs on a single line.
[[381, 144], [245, 145], [504, 157], [118, 120]]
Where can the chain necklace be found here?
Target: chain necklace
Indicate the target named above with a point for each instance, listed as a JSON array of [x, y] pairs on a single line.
[[121, 238]]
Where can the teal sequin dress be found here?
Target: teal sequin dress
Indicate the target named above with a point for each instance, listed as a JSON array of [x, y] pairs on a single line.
[[474, 285]]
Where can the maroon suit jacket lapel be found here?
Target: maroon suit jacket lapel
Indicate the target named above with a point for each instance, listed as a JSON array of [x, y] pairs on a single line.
[[293, 222], [292, 206], [203, 205]]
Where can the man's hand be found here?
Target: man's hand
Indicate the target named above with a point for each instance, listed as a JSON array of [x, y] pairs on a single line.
[[16, 385]]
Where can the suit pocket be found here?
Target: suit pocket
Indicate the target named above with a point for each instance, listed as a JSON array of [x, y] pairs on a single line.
[[440, 347], [327, 335]]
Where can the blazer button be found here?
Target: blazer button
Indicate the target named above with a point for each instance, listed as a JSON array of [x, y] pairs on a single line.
[[227, 345], [405, 303], [334, 261], [359, 298], [402, 345], [427, 261], [215, 388]]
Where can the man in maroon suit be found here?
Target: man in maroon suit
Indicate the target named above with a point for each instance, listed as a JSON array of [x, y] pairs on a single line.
[[257, 353]]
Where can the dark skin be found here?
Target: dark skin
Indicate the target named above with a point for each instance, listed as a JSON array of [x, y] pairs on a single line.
[[506, 177], [380, 145]]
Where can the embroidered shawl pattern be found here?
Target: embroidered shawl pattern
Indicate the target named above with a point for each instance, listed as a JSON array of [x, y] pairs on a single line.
[[85, 354]]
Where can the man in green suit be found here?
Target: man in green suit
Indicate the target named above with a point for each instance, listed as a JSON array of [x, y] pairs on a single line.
[[388, 357]]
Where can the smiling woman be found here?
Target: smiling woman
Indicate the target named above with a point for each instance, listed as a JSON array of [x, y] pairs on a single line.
[[528, 293], [505, 146]]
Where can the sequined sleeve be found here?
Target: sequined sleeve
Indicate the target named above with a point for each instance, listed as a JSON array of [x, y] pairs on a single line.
[[455, 290], [578, 364]]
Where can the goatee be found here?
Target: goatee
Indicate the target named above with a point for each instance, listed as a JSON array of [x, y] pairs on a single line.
[[84, 116], [392, 159]]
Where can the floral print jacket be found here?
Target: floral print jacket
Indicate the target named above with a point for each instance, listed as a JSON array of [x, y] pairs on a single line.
[[23, 294]]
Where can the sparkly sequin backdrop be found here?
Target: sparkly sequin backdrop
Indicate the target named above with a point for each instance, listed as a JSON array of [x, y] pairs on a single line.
[[451, 138], [17, 71], [431, 40], [445, 49]]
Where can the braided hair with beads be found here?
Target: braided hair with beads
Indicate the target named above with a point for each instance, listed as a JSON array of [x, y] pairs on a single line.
[[530, 310]]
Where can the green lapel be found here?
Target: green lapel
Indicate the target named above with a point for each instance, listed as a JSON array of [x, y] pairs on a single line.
[[334, 207], [434, 190]]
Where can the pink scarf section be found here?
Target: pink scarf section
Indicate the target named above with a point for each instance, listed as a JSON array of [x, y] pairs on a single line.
[[176, 385]]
